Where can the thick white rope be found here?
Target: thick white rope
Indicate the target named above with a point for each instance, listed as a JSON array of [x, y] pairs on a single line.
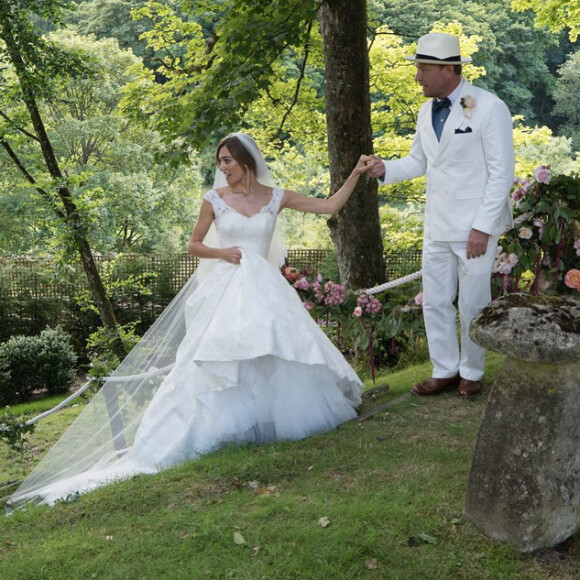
[[156, 372], [394, 283]]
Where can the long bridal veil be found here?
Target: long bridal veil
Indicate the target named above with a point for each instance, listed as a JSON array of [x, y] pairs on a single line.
[[97, 447]]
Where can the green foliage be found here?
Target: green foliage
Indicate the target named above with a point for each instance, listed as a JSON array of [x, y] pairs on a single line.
[[206, 92], [556, 14], [534, 144], [30, 363], [126, 200], [14, 431], [41, 62], [56, 360], [402, 226], [566, 98], [101, 349]]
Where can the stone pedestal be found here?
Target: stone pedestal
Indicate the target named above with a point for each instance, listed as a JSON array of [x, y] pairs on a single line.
[[524, 484]]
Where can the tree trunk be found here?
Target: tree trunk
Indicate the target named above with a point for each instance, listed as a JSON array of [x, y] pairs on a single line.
[[355, 231], [70, 215]]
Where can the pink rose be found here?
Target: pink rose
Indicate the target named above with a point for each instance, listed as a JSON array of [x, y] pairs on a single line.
[[357, 312], [308, 305], [419, 299], [291, 273], [572, 279], [525, 233], [542, 174], [505, 268]]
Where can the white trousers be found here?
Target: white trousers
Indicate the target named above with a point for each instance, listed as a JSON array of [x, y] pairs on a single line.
[[447, 272]]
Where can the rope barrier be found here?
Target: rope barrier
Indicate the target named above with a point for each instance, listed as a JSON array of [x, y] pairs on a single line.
[[164, 370], [394, 283], [85, 387]]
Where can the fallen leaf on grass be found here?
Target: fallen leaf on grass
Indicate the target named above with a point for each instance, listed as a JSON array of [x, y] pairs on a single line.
[[270, 490], [323, 522], [239, 539], [255, 550], [372, 564], [428, 539]]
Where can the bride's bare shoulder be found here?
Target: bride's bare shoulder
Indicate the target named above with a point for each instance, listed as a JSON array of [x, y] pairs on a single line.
[[223, 190]]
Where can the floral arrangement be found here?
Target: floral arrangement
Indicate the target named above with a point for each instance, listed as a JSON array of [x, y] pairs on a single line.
[[361, 325], [541, 253]]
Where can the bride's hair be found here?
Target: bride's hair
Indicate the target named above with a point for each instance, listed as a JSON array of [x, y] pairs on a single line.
[[238, 151]]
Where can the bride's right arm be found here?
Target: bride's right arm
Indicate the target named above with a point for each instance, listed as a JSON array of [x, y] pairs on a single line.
[[196, 246]]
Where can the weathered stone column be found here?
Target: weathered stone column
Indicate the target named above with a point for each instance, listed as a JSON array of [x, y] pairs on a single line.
[[524, 484]]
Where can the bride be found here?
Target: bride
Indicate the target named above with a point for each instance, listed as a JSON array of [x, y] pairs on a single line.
[[235, 358]]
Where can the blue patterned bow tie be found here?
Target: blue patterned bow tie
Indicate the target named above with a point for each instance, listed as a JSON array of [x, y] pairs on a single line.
[[442, 104]]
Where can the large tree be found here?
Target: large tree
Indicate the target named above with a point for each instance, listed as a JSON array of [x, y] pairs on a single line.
[[36, 63]]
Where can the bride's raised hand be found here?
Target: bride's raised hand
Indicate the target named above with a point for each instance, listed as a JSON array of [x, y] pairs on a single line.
[[363, 165]]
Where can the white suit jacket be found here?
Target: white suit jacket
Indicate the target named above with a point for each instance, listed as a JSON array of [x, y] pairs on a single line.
[[469, 173]]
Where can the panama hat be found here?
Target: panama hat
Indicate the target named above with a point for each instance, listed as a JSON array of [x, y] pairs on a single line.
[[438, 48]]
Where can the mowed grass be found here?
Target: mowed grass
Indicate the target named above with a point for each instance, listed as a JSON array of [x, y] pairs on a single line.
[[377, 499]]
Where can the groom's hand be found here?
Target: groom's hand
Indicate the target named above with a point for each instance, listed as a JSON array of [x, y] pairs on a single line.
[[376, 167], [476, 244]]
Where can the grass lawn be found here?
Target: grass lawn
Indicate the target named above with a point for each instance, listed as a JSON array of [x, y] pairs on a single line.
[[377, 499]]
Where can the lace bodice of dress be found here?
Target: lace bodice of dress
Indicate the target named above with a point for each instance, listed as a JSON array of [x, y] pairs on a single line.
[[252, 233]]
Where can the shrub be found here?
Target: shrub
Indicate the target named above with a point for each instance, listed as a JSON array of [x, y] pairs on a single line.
[[29, 363], [56, 360], [19, 369]]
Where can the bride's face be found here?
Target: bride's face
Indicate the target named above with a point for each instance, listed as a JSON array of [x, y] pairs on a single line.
[[232, 170]]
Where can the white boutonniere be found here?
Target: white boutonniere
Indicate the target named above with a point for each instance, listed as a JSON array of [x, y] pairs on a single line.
[[468, 103]]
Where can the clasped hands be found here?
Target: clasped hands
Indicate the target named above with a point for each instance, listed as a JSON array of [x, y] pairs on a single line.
[[370, 164]]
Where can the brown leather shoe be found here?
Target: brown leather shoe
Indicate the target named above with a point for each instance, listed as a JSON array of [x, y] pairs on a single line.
[[433, 386], [469, 388]]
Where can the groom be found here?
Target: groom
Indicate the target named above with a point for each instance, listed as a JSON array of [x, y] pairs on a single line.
[[463, 144]]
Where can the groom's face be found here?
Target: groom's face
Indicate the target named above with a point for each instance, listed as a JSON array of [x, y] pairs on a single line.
[[437, 81]]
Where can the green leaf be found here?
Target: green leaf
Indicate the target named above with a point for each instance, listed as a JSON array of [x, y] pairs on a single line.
[[428, 539]]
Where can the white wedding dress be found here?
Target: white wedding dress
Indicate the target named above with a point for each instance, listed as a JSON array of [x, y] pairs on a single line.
[[250, 366]]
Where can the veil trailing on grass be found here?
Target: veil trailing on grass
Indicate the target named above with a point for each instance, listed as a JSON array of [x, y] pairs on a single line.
[[96, 449]]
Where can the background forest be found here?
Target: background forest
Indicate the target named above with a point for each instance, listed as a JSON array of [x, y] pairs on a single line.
[[134, 127]]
